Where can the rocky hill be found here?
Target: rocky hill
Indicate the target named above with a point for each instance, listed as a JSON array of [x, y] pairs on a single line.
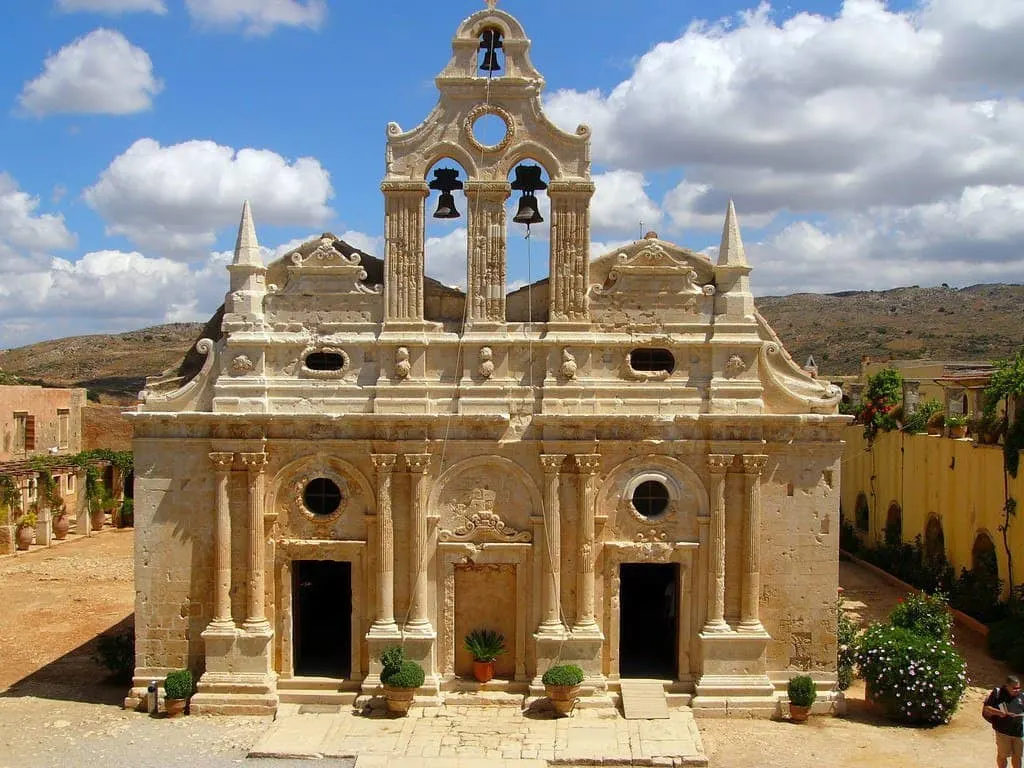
[[982, 322]]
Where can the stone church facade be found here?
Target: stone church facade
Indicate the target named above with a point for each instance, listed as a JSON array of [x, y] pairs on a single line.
[[619, 466]]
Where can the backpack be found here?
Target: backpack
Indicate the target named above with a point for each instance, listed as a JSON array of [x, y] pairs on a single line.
[[989, 718]]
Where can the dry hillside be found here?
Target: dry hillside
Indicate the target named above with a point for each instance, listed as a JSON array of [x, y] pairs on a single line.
[[982, 322]]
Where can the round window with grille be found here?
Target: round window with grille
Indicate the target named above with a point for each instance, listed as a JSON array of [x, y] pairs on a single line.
[[650, 498], [322, 497]]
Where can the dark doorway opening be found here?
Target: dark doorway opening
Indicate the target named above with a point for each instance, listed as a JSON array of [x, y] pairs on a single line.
[[649, 620], [322, 607]]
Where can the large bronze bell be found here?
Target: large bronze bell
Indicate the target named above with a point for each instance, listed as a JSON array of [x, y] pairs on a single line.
[[490, 43], [528, 212], [446, 180], [446, 207]]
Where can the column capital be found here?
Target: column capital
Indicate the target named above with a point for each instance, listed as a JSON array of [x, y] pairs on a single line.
[[412, 188], [222, 461], [587, 463], [753, 464], [384, 462], [581, 188], [417, 463], [498, 191], [719, 463], [552, 462], [254, 462]]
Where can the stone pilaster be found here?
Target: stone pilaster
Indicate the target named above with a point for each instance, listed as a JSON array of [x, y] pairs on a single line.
[[551, 557], [570, 250], [487, 251], [403, 232], [718, 464], [222, 619], [418, 622], [750, 621], [384, 464], [587, 465], [256, 618]]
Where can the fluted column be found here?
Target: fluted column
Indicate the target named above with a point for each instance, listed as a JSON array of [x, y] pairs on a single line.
[[718, 464], [551, 558], [570, 250], [587, 465], [418, 623], [256, 619], [384, 464], [487, 248], [749, 619], [222, 463], [403, 233]]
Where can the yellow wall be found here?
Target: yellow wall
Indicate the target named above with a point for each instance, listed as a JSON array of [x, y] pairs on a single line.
[[960, 481]]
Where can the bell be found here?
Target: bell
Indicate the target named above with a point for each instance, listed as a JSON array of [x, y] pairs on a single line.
[[528, 179], [528, 212], [446, 207], [490, 43], [490, 62]]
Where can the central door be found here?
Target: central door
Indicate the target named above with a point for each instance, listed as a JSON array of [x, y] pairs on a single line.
[[322, 610], [648, 622]]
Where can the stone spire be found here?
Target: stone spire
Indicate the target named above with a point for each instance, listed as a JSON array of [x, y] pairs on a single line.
[[247, 247], [243, 306], [731, 252]]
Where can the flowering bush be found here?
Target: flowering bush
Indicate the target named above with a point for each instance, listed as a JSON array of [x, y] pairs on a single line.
[[924, 614], [881, 397], [911, 677]]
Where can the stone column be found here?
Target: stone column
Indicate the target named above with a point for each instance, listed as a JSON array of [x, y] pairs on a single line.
[[487, 248], [384, 464], [749, 619], [570, 250], [718, 464], [418, 623], [587, 465], [403, 233], [256, 619], [551, 557], [222, 463]]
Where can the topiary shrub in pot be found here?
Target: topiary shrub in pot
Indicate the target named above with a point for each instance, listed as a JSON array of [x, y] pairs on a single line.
[[562, 685], [400, 678], [801, 694], [485, 646], [177, 691]]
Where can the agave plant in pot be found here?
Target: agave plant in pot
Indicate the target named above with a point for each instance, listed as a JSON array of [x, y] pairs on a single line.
[[400, 678], [485, 646], [562, 685], [801, 693]]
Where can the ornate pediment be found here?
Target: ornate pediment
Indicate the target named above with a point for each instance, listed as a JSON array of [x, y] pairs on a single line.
[[479, 523], [651, 271], [333, 271]]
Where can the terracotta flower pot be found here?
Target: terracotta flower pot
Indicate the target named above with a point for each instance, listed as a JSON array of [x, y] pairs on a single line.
[[96, 519], [174, 707], [483, 671], [61, 526], [23, 537], [798, 714], [958, 432], [399, 699], [563, 697]]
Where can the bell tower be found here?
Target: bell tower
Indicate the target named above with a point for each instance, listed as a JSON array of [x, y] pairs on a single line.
[[490, 75]]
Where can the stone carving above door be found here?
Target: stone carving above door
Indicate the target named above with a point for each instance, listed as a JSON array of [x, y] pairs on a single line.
[[479, 523]]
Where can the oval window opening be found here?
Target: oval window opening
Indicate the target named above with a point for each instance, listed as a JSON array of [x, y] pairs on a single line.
[[325, 361], [652, 360], [322, 497], [650, 498]]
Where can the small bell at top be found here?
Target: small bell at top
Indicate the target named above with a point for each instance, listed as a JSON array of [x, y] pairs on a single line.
[[490, 43]]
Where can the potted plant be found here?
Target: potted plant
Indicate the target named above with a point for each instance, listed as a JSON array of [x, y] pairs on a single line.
[[177, 690], [987, 427], [98, 498], [10, 507], [400, 678], [562, 686], [24, 528], [957, 426], [801, 693], [50, 496], [935, 423], [485, 646], [126, 518]]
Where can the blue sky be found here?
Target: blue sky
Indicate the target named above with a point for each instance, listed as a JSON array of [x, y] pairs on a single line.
[[867, 144]]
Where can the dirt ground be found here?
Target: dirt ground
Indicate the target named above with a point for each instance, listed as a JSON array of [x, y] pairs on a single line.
[[54, 701]]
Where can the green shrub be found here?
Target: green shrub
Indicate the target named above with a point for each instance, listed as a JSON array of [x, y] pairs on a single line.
[[563, 674], [485, 644], [408, 675], [1003, 635], [127, 517], [116, 653], [178, 684], [918, 420], [801, 690], [847, 635], [913, 678], [924, 614], [391, 658]]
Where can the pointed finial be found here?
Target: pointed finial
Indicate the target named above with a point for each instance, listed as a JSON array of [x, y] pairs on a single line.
[[247, 247], [491, 3], [731, 252]]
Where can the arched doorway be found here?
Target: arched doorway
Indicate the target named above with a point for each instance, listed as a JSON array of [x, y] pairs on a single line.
[[862, 513], [894, 526], [934, 539]]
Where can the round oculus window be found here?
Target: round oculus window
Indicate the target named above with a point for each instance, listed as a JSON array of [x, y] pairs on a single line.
[[322, 497], [650, 498]]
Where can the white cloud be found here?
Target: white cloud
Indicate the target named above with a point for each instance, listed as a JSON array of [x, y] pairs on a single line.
[[112, 6], [101, 73], [620, 203], [173, 200], [26, 237], [258, 17], [446, 258]]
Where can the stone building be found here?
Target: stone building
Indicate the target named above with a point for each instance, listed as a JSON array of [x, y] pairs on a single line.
[[619, 466]]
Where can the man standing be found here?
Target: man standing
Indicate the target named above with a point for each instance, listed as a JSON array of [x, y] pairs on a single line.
[[1004, 709]]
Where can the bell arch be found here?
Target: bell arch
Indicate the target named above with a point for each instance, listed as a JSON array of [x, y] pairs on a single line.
[[934, 538]]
